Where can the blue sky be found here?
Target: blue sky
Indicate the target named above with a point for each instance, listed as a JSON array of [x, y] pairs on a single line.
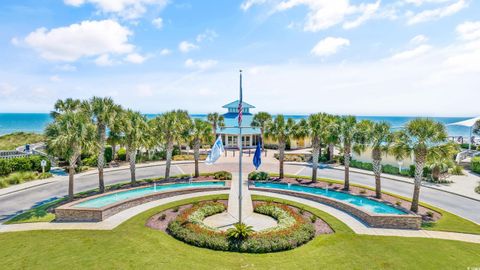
[[365, 57]]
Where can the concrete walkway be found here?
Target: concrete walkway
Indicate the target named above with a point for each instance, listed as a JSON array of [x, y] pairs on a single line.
[[357, 226]]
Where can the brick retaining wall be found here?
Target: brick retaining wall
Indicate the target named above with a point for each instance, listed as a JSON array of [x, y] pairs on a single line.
[[408, 221]]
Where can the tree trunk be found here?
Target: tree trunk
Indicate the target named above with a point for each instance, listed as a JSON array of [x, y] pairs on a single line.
[[377, 170], [331, 150], [315, 156], [169, 159], [196, 155], [214, 127], [114, 153], [101, 157], [436, 173], [420, 157], [132, 153], [261, 137], [346, 156], [71, 173], [281, 156]]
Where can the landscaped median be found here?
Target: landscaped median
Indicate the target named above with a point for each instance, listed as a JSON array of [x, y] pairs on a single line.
[[132, 245]]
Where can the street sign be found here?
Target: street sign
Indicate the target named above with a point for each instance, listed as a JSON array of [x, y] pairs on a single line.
[[43, 163]]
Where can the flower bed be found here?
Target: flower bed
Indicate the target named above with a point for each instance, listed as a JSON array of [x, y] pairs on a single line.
[[293, 229]]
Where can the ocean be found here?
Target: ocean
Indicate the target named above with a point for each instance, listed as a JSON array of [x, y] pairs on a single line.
[[36, 122]]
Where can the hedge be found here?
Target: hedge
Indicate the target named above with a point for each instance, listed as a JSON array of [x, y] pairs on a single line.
[[389, 169], [23, 164], [476, 164], [258, 176]]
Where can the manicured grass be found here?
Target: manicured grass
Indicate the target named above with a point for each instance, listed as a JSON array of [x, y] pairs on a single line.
[[36, 214], [449, 222], [13, 140], [134, 246]]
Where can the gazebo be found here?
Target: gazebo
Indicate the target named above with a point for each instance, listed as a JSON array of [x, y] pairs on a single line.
[[467, 123], [230, 133]]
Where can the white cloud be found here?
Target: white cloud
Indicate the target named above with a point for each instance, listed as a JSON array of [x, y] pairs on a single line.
[[127, 9], [55, 78], [135, 58], [165, 52], [144, 90], [66, 67], [435, 14], [418, 39], [421, 2], [202, 65], [6, 89], [469, 30], [158, 23], [86, 39], [15, 41], [247, 4], [208, 35], [367, 11], [329, 46], [409, 54], [186, 46], [104, 60]]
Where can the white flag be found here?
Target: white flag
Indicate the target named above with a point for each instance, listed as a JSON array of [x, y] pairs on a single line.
[[216, 152]]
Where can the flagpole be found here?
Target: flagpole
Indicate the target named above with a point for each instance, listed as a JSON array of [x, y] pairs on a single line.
[[240, 156]]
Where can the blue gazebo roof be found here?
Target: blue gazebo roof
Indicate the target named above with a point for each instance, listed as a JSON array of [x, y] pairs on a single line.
[[235, 105]]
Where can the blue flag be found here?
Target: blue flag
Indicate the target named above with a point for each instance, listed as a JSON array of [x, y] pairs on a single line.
[[257, 158]]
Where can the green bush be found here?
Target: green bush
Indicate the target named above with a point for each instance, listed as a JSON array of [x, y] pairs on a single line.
[[258, 176], [108, 154], [21, 177], [122, 154], [457, 170], [222, 175], [90, 161], [361, 165], [477, 189], [22, 164], [294, 231], [271, 146], [476, 164]]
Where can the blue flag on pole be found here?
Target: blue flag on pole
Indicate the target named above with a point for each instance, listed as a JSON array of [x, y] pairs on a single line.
[[216, 152], [257, 158]]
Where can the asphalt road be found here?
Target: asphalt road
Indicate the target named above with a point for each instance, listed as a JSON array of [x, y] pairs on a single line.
[[14, 203]]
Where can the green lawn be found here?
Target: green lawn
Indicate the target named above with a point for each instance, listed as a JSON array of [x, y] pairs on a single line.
[[14, 140], [134, 246]]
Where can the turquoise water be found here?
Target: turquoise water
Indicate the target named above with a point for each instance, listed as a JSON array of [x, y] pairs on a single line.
[[129, 194], [36, 122], [360, 202]]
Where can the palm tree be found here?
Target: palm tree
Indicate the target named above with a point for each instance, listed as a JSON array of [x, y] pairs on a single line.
[[104, 113], [136, 131], [68, 136], [114, 138], [217, 121], [172, 127], [67, 105], [317, 127], [419, 136], [200, 133], [349, 133], [261, 120], [440, 158], [280, 131], [378, 137]]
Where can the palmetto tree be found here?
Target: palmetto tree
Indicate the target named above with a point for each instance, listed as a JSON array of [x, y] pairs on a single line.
[[104, 113], [217, 121], [440, 158], [348, 132], [419, 136], [70, 134], [318, 128], [200, 133], [280, 131], [378, 137], [172, 127], [136, 131], [67, 105], [261, 120]]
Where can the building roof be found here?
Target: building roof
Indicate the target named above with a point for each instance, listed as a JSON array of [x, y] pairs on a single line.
[[235, 105]]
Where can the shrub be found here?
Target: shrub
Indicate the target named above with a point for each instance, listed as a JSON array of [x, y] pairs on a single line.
[[313, 218], [476, 164], [122, 154], [23, 164], [176, 209], [361, 165], [90, 161], [430, 214], [222, 175], [162, 216], [21, 177], [398, 203], [477, 189], [258, 176], [271, 146], [240, 231], [108, 154], [457, 170]]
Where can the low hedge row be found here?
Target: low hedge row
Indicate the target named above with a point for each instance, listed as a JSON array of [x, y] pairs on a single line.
[[385, 168], [476, 164], [23, 164], [258, 176], [294, 232]]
